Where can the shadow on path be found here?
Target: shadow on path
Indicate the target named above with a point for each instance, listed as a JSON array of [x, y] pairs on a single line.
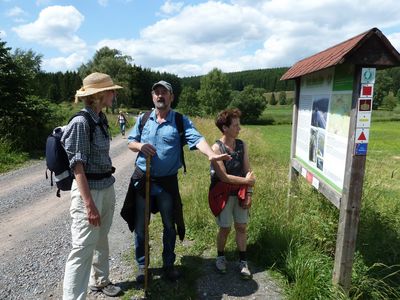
[[212, 285]]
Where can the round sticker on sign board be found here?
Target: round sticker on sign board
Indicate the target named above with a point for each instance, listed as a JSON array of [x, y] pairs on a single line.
[[368, 75]]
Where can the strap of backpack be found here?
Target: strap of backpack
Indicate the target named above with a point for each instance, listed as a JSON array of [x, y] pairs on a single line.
[[179, 125], [222, 147], [104, 121], [92, 123], [143, 121]]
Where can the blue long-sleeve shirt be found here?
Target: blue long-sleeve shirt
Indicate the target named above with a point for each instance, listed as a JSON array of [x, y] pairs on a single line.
[[165, 138]]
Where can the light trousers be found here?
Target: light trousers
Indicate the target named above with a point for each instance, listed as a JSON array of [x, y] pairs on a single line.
[[88, 262]]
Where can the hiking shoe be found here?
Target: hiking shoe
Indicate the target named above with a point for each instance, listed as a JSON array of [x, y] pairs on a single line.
[[244, 270], [109, 290], [171, 273], [140, 275], [220, 264]]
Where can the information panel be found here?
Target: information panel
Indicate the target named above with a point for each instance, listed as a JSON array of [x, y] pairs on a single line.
[[323, 123]]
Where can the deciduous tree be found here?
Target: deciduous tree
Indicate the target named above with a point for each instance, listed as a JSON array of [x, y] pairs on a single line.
[[251, 103], [188, 102], [25, 120], [113, 63], [214, 93]]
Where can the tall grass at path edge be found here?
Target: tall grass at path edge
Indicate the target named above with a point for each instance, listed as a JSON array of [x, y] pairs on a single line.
[[297, 245]]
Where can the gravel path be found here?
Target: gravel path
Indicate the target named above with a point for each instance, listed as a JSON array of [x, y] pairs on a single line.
[[35, 230], [35, 239]]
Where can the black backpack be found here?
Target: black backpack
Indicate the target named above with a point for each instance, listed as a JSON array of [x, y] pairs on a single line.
[[56, 158], [179, 125]]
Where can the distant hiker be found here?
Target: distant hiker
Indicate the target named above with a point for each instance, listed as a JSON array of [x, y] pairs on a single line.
[[122, 121], [234, 172], [92, 192], [159, 138]]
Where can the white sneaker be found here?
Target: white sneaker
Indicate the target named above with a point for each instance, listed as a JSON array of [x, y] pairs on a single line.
[[220, 264], [244, 270]]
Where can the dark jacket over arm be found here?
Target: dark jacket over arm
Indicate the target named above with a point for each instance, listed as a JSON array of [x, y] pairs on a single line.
[[168, 184]]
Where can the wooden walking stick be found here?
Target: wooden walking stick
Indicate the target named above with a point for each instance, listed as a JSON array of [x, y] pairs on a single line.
[[146, 226]]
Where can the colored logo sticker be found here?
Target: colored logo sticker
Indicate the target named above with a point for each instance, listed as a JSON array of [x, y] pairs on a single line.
[[367, 90], [362, 135], [363, 119], [364, 104], [361, 149], [368, 75]]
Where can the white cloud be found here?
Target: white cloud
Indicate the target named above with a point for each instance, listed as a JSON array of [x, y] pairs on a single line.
[[242, 34], [70, 62], [103, 3], [394, 39], [170, 7], [217, 35], [43, 2], [197, 35], [3, 34], [56, 27], [16, 11]]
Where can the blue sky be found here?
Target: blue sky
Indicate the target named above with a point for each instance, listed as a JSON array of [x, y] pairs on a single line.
[[191, 37]]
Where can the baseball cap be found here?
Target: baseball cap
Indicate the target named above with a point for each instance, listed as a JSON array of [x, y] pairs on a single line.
[[163, 83]]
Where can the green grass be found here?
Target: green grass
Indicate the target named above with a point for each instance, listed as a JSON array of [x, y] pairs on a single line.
[[9, 158], [384, 116], [296, 242], [282, 114], [277, 114]]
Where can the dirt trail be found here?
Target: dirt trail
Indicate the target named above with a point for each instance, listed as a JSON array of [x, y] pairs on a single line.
[[35, 235], [25, 219], [16, 226], [35, 238]]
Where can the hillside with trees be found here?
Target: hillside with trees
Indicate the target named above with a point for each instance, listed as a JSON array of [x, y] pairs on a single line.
[[267, 79], [32, 100]]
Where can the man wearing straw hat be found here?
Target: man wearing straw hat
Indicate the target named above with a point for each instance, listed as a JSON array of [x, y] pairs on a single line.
[[159, 138], [92, 192]]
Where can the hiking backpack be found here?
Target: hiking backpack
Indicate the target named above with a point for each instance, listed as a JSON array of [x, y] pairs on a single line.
[[179, 126], [57, 159]]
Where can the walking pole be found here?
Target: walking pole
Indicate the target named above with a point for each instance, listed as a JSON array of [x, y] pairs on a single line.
[[146, 226]]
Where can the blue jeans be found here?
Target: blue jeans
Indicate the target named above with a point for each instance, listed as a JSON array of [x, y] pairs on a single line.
[[122, 127], [165, 205]]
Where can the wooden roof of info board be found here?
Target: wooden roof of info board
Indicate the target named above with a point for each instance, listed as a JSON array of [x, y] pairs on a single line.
[[370, 48]]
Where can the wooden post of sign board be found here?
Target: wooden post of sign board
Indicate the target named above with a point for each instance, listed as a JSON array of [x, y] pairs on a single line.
[[295, 116], [293, 174], [351, 200]]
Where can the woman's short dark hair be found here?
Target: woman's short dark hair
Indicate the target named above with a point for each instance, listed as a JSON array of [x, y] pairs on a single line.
[[226, 116]]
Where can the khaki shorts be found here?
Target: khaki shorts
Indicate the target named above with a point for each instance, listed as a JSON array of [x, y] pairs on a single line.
[[232, 212]]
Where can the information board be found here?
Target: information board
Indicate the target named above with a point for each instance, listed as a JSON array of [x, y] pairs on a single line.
[[323, 123]]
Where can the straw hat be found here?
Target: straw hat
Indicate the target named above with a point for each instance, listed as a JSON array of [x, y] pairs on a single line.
[[95, 83]]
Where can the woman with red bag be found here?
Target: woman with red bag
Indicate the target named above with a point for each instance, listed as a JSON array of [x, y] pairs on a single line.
[[235, 172]]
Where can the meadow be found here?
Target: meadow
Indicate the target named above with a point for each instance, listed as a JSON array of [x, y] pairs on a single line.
[[295, 240]]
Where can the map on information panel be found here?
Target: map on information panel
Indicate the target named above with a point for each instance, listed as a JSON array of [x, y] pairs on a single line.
[[323, 123]]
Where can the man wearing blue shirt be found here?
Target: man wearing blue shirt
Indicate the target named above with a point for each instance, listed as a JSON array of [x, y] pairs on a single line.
[[160, 139]]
